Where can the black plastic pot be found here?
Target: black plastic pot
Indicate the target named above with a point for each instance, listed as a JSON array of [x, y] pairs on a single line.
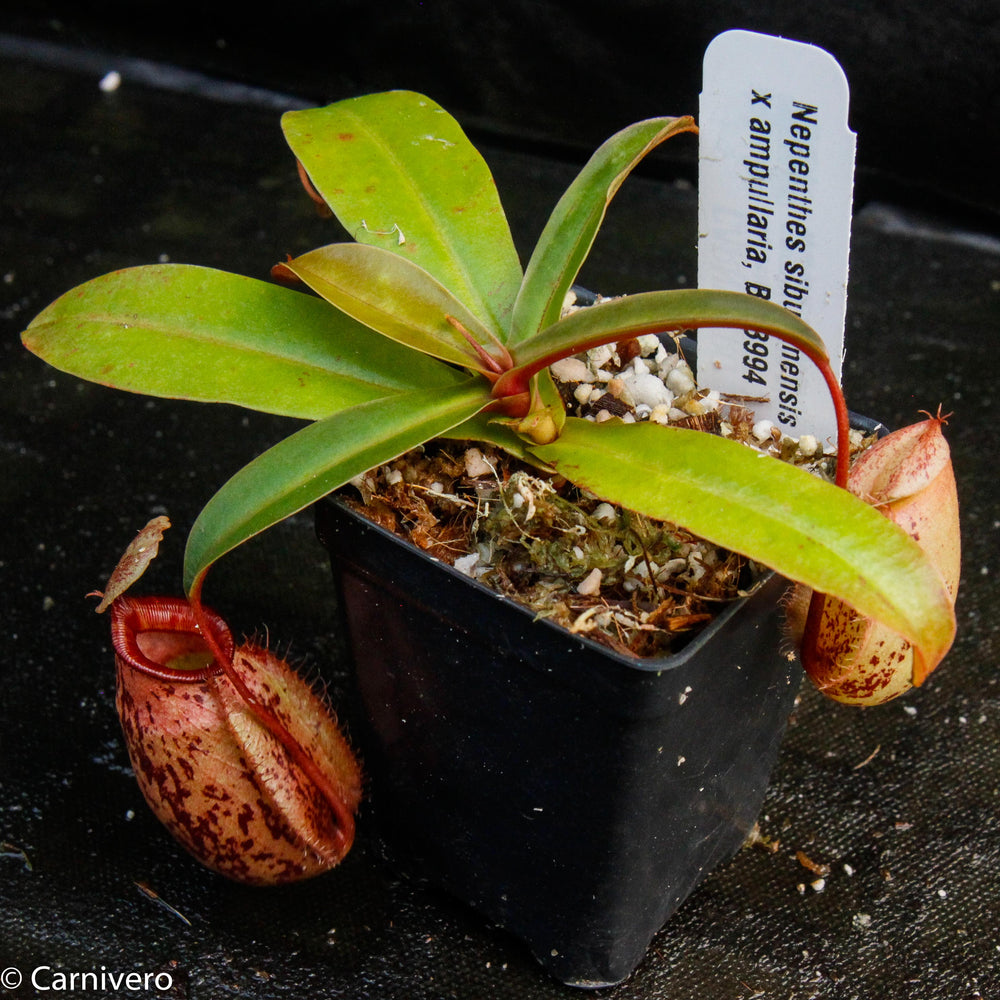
[[572, 795]]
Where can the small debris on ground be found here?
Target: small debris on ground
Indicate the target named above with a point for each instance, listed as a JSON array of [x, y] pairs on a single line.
[[9, 850], [815, 867], [151, 894]]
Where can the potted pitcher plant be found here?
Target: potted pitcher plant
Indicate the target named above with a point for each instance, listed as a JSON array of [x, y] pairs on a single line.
[[573, 786]]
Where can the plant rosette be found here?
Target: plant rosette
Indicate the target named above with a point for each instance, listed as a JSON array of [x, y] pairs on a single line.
[[628, 581], [426, 327]]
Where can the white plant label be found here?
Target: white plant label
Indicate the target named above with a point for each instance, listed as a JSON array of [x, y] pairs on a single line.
[[776, 180]]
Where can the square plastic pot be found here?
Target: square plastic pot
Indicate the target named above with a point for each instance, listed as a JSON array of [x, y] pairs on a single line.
[[572, 795]]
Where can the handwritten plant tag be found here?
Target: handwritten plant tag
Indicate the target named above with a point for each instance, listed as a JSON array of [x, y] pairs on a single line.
[[776, 178]]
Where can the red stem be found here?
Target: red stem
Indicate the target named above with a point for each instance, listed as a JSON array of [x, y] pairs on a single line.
[[810, 634], [491, 367]]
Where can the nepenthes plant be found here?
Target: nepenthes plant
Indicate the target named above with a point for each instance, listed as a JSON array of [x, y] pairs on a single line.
[[425, 325]]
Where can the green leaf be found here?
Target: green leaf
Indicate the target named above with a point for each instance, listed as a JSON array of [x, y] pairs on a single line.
[[655, 312], [803, 527], [399, 172], [319, 458], [195, 333], [394, 297], [570, 231]]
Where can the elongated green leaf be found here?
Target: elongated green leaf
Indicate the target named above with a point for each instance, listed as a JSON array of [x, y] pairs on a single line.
[[656, 312], [569, 233], [394, 297], [801, 526], [320, 458], [196, 333], [399, 172]]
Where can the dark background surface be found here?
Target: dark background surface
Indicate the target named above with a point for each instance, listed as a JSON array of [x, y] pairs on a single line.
[[907, 796], [565, 74]]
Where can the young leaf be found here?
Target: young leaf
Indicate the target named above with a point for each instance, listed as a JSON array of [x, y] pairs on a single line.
[[394, 297], [549, 396], [804, 528], [399, 172], [484, 427], [570, 231], [322, 457], [196, 333]]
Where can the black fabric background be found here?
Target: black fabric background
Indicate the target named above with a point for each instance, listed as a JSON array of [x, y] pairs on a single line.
[[567, 73]]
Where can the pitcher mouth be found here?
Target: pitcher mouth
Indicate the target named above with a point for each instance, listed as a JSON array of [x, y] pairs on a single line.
[[161, 637]]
